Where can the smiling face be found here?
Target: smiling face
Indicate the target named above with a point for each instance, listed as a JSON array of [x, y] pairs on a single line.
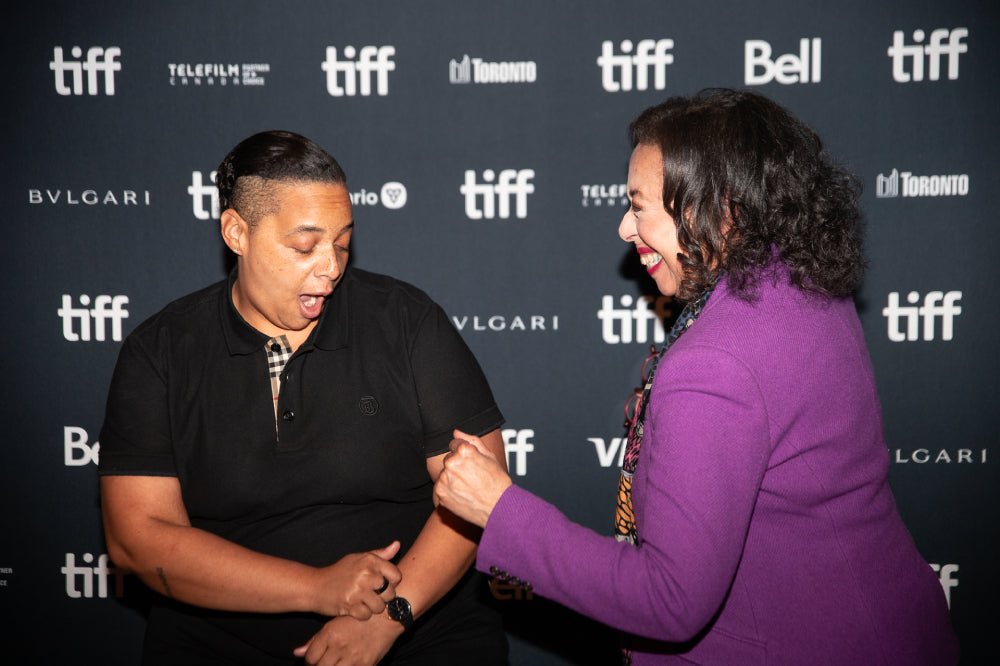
[[291, 260], [647, 224]]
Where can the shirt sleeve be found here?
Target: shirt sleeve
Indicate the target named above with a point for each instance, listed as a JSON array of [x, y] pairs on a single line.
[[706, 450], [451, 388], [135, 438]]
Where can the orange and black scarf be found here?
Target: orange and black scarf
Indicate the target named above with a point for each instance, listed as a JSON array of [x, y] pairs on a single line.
[[625, 528]]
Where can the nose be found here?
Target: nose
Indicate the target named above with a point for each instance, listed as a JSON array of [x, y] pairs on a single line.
[[329, 265], [626, 230]]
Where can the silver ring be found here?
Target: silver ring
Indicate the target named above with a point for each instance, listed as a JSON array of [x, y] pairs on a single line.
[[383, 587]]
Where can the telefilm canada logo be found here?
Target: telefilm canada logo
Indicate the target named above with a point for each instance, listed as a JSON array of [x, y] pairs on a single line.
[[205, 196], [477, 70], [217, 74], [630, 68], [100, 66], [911, 61], [611, 196], [907, 184]]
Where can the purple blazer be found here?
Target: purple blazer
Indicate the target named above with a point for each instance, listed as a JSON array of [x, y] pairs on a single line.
[[767, 530]]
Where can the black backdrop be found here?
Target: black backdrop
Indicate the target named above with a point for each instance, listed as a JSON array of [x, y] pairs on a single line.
[[485, 148]]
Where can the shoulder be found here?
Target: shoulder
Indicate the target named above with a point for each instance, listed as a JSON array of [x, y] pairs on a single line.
[[184, 316], [367, 283], [383, 296]]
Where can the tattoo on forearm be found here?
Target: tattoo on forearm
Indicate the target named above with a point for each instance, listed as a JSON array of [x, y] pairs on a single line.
[[163, 579]]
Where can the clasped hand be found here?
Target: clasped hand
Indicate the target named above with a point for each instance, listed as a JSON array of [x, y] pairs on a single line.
[[359, 584], [472, 480]]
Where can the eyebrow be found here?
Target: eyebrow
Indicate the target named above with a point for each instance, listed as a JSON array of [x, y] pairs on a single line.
[[305, 228]]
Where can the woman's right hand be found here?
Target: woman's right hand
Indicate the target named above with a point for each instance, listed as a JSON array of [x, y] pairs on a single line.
[[359, 584], [472, 480]]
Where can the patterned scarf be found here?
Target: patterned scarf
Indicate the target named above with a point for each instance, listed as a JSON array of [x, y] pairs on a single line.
[[625, 529]]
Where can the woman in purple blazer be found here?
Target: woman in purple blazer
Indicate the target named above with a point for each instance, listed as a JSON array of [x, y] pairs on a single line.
[[755, 523]]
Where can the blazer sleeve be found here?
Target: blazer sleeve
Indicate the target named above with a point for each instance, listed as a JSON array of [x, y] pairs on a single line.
[[706, 449]]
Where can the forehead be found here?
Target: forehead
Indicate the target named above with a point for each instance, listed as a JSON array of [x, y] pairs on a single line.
[[320, 205], [645, 171]]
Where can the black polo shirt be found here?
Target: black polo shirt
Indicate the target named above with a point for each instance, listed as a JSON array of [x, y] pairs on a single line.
[[374, 391]]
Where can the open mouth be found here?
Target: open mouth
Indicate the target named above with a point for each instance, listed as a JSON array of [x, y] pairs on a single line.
[[649, 258], [311, 305]]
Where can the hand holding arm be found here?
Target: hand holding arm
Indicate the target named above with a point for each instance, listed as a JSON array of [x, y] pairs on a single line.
[[440, 556], [149, 533], [472, 480]]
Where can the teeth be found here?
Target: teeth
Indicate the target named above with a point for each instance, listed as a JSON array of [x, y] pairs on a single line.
[[650, 259], [311, 301]]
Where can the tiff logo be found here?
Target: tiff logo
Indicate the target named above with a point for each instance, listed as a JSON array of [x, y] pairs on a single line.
[[86, 575], [75, 442], [496, 197], [936, 304], [944, 572], [633, 321], [518, 442], [198, 191], [100, 313], [900, 51], [98, 60], [649, 53], [373, 61], [786, 69]]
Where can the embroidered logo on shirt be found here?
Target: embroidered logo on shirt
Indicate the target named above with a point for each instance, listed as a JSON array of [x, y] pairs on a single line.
[[368, 405]]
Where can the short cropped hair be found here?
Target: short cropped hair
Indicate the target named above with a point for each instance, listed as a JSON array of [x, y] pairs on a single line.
[[744, 179], [246, 176]]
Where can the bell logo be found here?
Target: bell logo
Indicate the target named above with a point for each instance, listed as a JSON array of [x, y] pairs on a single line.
[[936, 304], [900, 52], [200, 192], [98, 60], [648, 53], [786, 69], [86, 575], [373, 61], [513, 184], [76, 451], [100, 313], [518, 442]]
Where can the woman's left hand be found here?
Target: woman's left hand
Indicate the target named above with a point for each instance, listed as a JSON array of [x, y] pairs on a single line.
[[472, 480]]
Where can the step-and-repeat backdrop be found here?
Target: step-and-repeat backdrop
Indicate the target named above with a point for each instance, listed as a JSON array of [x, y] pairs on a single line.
[[485, 146]]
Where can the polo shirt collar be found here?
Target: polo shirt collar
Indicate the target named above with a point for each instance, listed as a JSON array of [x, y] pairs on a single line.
[[331, 331]]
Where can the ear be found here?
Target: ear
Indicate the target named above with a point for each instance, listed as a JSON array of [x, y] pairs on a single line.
[[234, 230]]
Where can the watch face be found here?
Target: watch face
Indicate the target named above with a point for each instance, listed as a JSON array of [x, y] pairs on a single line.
[[399, 610]]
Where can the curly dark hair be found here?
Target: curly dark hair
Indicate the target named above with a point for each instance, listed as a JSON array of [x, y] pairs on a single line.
[[247, 173], [744, 178]]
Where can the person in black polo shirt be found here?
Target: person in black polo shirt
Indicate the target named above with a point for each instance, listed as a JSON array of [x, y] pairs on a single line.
[[271, 443]]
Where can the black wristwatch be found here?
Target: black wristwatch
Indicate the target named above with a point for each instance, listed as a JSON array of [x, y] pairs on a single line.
[[400, 611]]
